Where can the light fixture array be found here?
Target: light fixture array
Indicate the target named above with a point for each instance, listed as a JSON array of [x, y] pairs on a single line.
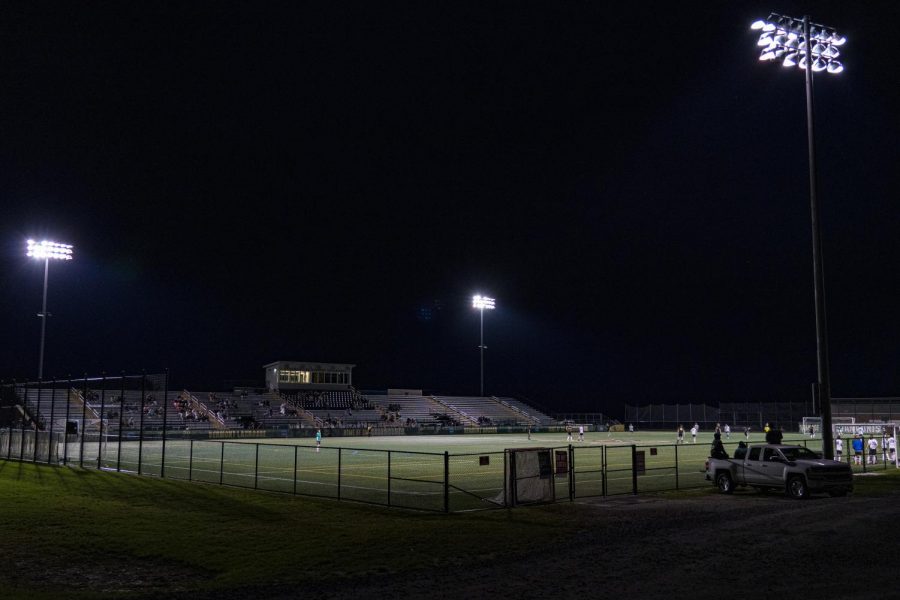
[[46, 249], [784, 38]]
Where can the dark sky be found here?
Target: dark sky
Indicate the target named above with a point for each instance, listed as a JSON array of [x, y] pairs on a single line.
[[250, 182]]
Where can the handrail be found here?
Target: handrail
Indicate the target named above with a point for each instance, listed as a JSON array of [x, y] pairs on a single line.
[[195, 402], [454, 409], [534, 420]]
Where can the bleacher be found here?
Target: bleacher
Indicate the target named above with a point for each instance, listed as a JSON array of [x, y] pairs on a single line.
[[263, 409], [485, 411], [528, 411]]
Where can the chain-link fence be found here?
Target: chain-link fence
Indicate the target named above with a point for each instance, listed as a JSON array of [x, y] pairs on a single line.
[[119, 424], [788, 414]]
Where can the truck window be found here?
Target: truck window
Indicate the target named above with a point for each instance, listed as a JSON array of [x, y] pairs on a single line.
[[770, 453], [754, 454]]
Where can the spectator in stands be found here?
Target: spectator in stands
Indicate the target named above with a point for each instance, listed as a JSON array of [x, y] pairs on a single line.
[[741, 450]]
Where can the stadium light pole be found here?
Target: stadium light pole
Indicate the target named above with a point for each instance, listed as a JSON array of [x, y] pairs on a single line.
[[46, 251], [482, 302], [813, 48]]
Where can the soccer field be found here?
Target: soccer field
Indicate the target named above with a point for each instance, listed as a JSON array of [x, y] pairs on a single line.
[[414, 471]]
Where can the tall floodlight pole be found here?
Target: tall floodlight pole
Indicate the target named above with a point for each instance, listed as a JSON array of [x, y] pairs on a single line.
[[481, 303], [813, 48], [46, 251]]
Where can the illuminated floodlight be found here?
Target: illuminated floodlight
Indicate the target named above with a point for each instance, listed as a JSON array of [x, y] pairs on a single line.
[[482, 302], [813, 48], [46, 251], [49, 250], [781, 36]]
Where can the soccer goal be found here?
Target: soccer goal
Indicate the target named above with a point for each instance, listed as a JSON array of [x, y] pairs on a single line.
[[811, 426], [838, 425]]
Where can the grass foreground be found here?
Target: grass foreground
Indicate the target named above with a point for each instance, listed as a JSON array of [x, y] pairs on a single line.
[[79, 533]]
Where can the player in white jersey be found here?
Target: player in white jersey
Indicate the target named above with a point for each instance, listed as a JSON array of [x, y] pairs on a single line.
[[838, 448], [727, 431], [873, 449], [694, 434], [892, 448], [581, 433]]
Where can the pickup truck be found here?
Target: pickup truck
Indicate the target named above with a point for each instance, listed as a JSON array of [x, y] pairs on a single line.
[[795, 469]]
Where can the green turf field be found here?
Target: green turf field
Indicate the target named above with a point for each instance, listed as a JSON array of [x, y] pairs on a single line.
[[409, 471]]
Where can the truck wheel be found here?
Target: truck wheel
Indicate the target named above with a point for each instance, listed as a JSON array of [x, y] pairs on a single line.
[[796, 488], [724, 483]]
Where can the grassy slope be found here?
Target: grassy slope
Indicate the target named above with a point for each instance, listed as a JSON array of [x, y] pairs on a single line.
[[77, 533], [90, 528]]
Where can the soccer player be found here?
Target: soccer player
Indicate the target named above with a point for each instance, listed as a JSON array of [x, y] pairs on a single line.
[[746, 433], [318, 438], [727, 431], [838, 448], [581, 433], [857, 446], [694, 434], [873, 449], [568, 433], [892, 448], [679, 435]]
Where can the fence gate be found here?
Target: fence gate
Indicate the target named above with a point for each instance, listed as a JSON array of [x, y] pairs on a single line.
[[530, 476]]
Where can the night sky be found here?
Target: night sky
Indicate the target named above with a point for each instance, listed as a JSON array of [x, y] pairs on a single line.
[[251, 182]]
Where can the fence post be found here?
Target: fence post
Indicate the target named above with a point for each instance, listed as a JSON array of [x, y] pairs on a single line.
[[676, 466], [634, 484], [66, 428], [446, 481], [52, 408], [34, 422], [141, 431], [339, 474], [603, 470], [83, 421], [191, 461], [121, 410], [571, 473], [100, 444], [295, 470], [256, 469], [162, 466], [389, 479], [505, 479], [22, 430]]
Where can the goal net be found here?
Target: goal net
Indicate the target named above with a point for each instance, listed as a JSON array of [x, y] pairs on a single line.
[[529, 473]]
